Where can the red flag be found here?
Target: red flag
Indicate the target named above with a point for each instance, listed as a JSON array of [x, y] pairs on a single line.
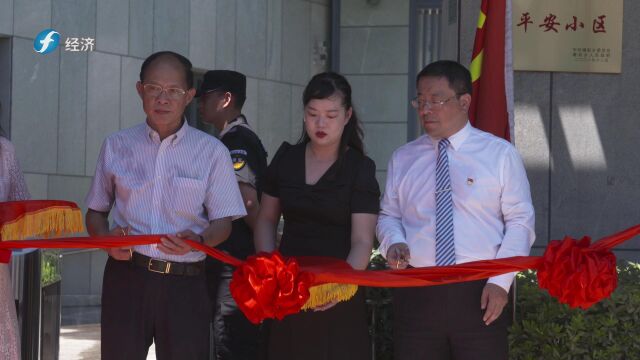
[[492, 72]]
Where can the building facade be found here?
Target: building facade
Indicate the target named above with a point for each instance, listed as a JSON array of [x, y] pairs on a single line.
[[59, 107], [576, 132]]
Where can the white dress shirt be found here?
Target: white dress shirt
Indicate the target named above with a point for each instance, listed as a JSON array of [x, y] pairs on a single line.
[[492, 212], [162, 187]]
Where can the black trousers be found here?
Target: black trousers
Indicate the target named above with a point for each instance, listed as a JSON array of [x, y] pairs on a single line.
[[235, 337], [445, 322], [140, 307]]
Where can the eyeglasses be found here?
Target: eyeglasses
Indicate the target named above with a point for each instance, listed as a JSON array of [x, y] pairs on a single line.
[[155, 91], [213, 90], [421, 104]]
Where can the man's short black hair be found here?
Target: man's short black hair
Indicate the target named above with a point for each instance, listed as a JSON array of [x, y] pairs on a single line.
[[458, 76], [186, 64], [225, 80]]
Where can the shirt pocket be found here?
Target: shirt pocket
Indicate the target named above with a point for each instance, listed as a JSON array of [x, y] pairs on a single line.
[[477, 190], [187, 196]]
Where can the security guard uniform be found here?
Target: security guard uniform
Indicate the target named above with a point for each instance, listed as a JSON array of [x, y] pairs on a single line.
[[235, 337]]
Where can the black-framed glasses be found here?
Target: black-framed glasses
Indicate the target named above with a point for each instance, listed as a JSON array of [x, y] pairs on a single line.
[[418, 103], [155, 91]]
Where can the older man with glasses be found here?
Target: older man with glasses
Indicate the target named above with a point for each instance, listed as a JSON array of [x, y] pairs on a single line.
[[161, 177]]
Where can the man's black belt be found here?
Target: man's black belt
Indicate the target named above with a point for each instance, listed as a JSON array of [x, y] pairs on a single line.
[[168, 267]]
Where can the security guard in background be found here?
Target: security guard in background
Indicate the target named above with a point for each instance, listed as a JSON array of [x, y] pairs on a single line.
[[221, 95]]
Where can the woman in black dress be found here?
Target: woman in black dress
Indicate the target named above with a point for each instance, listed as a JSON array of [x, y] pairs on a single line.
[[326, 190]]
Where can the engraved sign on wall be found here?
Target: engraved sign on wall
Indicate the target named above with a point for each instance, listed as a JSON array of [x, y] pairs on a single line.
[[567, 35]]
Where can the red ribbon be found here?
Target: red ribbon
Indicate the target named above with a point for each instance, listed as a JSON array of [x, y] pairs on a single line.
[[5, 256], [576, 274], [268, 285]]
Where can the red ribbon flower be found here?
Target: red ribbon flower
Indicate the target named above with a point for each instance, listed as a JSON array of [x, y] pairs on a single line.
[[576, 274], [268, 286]]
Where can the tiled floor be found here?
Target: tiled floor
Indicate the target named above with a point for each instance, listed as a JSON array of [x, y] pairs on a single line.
[[82, 342]]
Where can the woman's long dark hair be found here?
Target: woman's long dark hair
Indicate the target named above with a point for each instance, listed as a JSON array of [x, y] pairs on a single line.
[[323, 86]]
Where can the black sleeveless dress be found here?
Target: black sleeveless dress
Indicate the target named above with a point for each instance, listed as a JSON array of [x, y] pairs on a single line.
[[317, 222]]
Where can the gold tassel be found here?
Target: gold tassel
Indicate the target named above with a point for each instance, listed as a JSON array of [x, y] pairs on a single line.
[[326, 293], [44, 223]]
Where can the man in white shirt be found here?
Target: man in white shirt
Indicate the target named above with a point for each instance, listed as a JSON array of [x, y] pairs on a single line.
[[454, 195], [161, 177]]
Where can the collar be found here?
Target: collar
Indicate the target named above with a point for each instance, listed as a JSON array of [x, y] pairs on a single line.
[[241, 120], [456, 140], [174, 138]]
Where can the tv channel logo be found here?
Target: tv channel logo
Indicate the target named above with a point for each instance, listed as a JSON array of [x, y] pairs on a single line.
[[46, 41]]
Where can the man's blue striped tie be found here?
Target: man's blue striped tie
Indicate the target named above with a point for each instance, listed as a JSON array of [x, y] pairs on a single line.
[[445, 246]]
